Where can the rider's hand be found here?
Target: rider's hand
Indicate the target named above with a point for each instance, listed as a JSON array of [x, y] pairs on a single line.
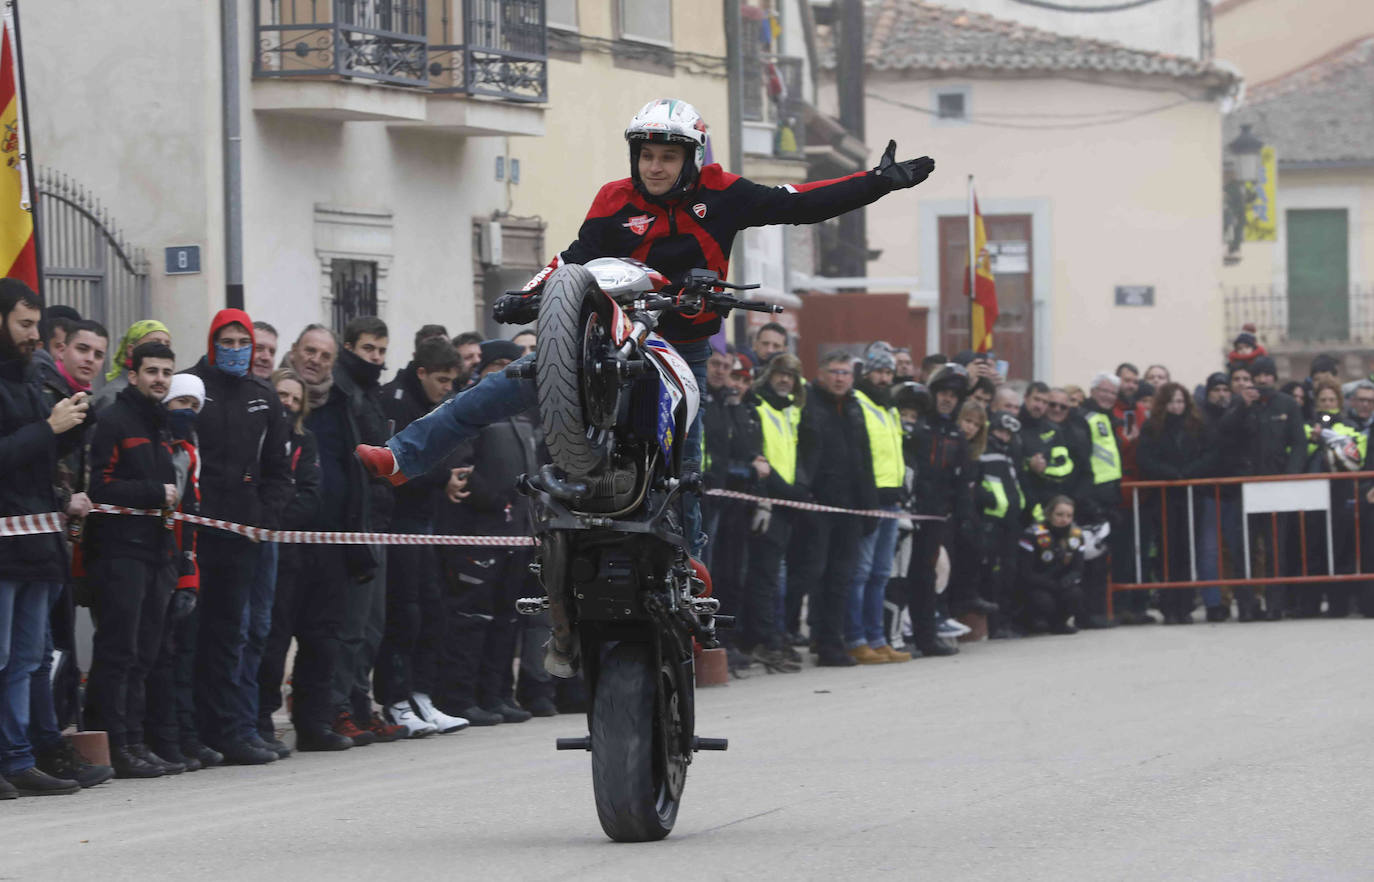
[[907, 173], [516, 309]]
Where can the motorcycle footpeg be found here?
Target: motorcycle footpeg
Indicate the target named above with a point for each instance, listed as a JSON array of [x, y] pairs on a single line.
[[523, 370], [582, 743], [531, 606], [724, 623], [705, 606], [699, 743]]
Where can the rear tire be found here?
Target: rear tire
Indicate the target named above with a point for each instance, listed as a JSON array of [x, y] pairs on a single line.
[[579, 442], [637, 770]]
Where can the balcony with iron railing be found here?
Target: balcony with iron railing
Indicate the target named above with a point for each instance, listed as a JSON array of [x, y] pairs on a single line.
[[1335, 317], [433, 49]]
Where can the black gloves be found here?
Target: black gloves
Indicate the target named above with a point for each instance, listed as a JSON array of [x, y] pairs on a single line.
[[516, 309], [900, 175], [183, 603]]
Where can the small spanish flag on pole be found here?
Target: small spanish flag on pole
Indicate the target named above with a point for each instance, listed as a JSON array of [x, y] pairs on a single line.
[[18, 244], [979, 285]]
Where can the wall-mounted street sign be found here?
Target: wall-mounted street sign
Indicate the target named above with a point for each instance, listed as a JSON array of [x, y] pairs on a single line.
[[183, 260], [1135, 295]]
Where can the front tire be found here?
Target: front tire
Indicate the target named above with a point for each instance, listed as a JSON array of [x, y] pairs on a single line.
[[638, 769], [577, 408]]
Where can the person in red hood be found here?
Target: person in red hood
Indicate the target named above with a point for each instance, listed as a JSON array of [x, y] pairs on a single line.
[[245, 477]]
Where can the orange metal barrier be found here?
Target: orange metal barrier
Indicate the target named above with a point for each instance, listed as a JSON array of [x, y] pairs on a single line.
[[1305, 498]]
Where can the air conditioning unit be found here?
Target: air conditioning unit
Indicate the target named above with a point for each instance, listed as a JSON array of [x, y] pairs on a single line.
[[491, 243]]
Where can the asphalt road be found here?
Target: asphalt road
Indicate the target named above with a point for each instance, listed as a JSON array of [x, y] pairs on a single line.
[[1206, 752]]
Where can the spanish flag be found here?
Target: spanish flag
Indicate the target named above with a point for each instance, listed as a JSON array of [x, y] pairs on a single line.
[[979, 285], [18, 252]]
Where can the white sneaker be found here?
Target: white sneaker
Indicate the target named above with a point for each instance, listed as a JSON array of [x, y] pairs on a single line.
[[402, 714], [952, 628], [442, 722]]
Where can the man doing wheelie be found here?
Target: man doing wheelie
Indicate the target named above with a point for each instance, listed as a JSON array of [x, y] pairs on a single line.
[[673, 213]]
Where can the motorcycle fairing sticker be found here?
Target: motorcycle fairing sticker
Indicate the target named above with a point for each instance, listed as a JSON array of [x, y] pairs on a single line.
[[621, 328], [672, 364], [672, 368]]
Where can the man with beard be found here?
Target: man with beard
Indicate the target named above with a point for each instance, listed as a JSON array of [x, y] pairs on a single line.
[[469, 346], [833, 451], [132, 559], [245, 478], [864, 636], [32, 568], [342, 386]]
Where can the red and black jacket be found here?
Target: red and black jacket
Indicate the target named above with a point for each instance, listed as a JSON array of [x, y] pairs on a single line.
[[131, 461], [698, 230]]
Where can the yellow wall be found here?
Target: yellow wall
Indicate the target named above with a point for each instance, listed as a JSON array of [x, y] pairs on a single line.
[[1132, 203], [591, 101], [1269, 38]]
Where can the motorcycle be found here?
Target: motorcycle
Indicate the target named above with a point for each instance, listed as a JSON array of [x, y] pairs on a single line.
[[628, 603]]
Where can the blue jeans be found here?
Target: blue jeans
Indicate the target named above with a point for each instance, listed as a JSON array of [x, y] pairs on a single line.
[[44, 733], [868, 589], [24, 610], [257, 622], [429, 440], [1208, 563]]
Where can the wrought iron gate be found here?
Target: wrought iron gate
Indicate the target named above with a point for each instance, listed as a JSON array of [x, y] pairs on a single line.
[[87, 263]]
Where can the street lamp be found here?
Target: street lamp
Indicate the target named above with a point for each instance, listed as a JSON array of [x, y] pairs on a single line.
[[1246, 149], [1241, 187]]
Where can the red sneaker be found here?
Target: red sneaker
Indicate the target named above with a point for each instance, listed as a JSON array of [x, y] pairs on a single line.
[[380, 463], [345, 726], [384, 731]]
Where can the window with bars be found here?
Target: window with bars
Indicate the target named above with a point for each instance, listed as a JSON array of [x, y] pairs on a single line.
[[354, 284]]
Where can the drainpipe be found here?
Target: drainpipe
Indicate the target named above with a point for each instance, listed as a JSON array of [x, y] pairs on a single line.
[[233, 154], [734, 55]]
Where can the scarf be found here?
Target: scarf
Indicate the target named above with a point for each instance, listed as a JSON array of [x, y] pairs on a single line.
[[75, 384], [317, 393], [137, 331]]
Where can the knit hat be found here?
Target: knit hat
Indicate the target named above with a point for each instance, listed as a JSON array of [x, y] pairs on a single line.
[[1264, 365], [186, 384], [879, 360], [743, 364], [137, 331], [1217, 379], [1245, 339]]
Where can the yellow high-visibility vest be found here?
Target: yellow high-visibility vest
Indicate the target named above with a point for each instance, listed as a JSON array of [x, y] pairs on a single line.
[[780, 438], [885, 440], [1106, 453]]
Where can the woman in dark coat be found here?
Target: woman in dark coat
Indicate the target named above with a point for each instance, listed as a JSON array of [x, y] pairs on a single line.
[[1174, 445]]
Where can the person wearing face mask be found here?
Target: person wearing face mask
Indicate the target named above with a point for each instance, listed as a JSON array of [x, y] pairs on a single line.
[[245, 477], [1002, 506], [132, 560], [1052, 571], [170, 721], [1174, 445]]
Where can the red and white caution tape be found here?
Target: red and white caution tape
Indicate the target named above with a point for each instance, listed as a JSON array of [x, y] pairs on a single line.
[[53, 522], [815, 506]]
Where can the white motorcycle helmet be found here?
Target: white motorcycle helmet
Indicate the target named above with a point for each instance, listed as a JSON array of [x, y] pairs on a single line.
[[669, 121]]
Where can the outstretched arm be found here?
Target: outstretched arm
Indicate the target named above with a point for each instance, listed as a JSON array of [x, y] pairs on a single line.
[[818, 201]]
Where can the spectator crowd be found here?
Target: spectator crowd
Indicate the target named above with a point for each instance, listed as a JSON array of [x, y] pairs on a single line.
[[1002, 505]]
